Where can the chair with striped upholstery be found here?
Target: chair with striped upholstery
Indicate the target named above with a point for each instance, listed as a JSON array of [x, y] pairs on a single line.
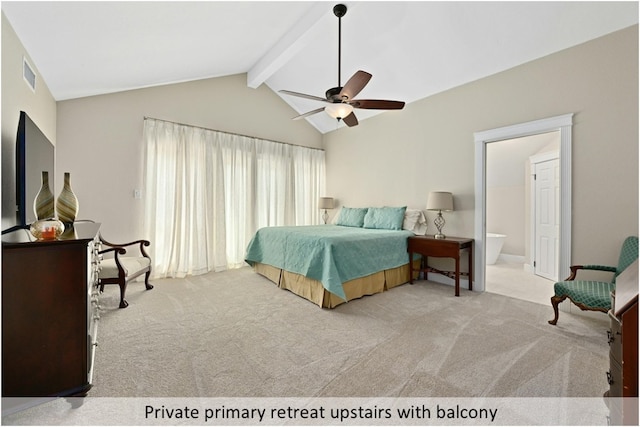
[[121, 269], [591, 294]]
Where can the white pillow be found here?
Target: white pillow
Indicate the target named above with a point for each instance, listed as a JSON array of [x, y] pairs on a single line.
[[415, 221]]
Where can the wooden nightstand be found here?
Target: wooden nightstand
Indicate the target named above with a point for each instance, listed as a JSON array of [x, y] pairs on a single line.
[[450, 247]]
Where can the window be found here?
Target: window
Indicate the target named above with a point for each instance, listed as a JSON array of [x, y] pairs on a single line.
[[208, 192]]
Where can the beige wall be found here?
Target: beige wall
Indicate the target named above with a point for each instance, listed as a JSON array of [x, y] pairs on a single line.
[[100, 138], [507, 202], [398, 157], [18, 96]]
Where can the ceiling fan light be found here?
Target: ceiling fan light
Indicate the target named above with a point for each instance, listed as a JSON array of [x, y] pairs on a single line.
[[339, 110]]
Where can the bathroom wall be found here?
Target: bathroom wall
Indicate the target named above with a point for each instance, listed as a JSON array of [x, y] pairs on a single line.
[[508, 189]]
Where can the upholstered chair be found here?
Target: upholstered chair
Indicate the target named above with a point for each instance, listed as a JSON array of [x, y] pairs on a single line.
[[592, 294], [120, 269]]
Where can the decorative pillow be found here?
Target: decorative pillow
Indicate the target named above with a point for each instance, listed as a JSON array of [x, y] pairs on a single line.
[[351, 217], [386, 218], [415, 221]]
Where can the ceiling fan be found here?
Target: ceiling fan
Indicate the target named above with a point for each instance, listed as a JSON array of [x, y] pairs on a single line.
[[341, 98]]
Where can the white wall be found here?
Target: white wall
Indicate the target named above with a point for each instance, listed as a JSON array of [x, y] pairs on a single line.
[[100, 139], [399, 157]]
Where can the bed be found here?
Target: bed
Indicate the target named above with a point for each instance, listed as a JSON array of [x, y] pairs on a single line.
[[331, 264]]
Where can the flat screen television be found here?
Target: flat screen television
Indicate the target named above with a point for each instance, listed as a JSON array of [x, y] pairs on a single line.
[[34, 154]]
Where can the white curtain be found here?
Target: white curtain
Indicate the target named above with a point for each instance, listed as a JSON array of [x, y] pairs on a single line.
[[207, 193]]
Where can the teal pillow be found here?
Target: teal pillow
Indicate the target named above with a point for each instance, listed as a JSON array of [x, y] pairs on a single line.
[[386, 218], [352, 217]]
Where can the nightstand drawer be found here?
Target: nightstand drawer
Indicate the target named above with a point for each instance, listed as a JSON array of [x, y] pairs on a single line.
[[434, 247]]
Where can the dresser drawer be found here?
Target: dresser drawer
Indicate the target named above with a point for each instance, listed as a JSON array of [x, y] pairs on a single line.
[[614, 378], [614, 336]]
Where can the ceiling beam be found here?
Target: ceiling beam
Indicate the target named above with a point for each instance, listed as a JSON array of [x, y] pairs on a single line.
[[290, 44]]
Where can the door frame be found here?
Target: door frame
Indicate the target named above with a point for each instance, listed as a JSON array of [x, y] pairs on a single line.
[[562, 123]]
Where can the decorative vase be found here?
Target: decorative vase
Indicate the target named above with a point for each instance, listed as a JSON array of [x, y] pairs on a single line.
[[67, 203], [43, 203]]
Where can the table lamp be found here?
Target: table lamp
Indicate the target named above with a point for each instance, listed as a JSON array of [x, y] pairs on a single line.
[[325, 203], [440, 201]]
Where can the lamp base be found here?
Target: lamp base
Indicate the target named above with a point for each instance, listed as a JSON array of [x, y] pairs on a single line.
[[439, 222], [325, 216]]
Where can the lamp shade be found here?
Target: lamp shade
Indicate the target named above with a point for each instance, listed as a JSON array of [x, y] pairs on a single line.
[[440, 201], [338, 110], [325, 203]]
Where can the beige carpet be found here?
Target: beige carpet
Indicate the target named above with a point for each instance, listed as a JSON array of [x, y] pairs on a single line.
[[235, 334]]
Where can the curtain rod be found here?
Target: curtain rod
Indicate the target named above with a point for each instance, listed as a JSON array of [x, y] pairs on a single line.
[[231, 133]]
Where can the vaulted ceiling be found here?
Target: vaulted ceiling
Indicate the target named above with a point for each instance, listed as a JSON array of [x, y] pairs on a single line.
[[413, 49]]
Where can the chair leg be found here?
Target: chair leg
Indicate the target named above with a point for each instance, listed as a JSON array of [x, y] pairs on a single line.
[[123, 288], [148, 285], [555, 300]]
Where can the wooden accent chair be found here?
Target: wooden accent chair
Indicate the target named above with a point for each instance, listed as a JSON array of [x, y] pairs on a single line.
[[120, 269], [591, 294]]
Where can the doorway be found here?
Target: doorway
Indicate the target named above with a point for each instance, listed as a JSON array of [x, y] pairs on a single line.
[[563, 125], [521, 187]]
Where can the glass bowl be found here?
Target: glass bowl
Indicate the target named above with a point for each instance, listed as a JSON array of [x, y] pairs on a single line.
[[47, 229]]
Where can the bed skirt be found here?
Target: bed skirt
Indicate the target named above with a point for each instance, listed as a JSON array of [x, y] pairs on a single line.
[[313, 290]]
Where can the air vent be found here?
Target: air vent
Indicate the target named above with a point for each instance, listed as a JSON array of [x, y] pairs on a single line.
[[28, 74]]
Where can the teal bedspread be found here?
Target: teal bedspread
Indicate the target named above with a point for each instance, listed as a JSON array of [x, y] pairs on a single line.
[[331, 254]]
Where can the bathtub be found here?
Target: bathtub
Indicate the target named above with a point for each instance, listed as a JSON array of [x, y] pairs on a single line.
[[494, 243]]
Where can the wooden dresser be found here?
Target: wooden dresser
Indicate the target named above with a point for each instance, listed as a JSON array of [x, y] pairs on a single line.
[[623, 355], [49, 312]]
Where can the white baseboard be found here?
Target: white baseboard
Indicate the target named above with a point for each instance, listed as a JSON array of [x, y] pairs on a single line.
[[513, 259]]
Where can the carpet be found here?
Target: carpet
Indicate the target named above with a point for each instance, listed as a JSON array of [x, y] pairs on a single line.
[[235, 334]]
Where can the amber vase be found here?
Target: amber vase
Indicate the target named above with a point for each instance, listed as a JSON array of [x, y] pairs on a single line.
[[67, 203], [43, 203]]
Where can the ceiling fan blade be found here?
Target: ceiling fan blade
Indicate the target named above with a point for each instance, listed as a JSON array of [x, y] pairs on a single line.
[[303, 95], [356, 83], [377, 104], [302, 116], [350, 120]]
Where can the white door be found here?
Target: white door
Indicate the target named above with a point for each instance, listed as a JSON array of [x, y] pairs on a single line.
[[547, 218]]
